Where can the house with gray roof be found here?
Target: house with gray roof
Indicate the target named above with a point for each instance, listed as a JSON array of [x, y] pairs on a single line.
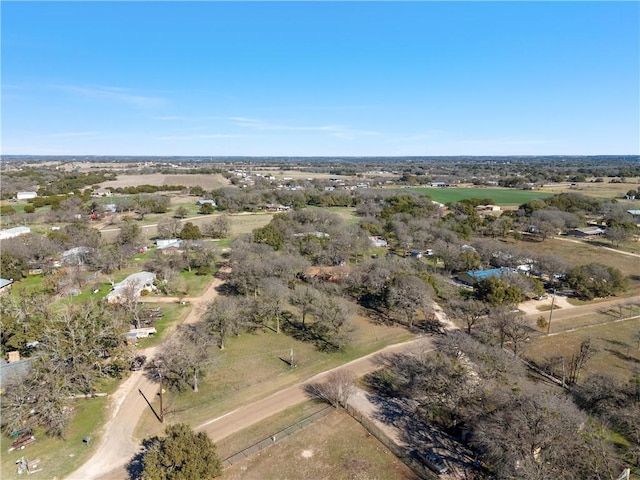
[[134, 285]]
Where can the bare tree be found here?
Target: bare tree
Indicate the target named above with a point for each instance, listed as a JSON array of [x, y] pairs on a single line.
[[169, 228], [469, 311], [336, 389], [304, 297], [516, 332], [333, 321], [409, 295], [538, 436], [578, 360], [223, 318], [273, 298]]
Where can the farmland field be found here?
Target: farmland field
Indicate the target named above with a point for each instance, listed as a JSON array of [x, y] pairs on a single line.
[[604, 189], [335, 447], [208, 182], [500, 196]]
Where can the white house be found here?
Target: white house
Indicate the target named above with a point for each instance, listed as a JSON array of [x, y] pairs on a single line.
[[377, 242], [26, 195], [101, 192], [136, 282], [206, 202], [14, 232]]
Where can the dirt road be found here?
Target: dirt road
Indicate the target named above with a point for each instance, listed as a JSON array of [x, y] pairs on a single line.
[[109, 462], [118, 444], [567, 310], [245, 416]]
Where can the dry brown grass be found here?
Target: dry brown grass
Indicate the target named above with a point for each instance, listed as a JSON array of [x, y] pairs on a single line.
[[334, 447], [208, 182], [618, 354], [605, 189], [580, 253]]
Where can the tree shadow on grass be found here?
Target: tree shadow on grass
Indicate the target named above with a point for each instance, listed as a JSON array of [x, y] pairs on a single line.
[[306, 333], [623, 356], [135, 467]]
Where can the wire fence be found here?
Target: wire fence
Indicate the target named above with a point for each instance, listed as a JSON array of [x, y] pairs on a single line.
[[262, 444], [403, 455]]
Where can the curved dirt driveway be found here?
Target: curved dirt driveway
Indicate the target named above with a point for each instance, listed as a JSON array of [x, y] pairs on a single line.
[[117, 444]]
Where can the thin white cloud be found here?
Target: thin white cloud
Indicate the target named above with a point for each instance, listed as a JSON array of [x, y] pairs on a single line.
[[334, 130], [202, 136], [71, 134], [113, 93]]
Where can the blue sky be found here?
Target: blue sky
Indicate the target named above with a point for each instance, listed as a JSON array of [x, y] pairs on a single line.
[[320, 78]]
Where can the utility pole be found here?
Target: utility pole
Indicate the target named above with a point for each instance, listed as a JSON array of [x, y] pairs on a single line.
[[553, 301], [161, 408]]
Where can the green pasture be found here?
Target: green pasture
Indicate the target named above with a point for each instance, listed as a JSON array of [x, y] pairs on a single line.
[[500, 196]]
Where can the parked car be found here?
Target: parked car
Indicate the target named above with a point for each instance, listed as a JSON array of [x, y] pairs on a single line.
[[138, 363], [433, 461]]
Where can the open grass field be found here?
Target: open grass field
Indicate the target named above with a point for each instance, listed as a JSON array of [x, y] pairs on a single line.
[[243, 223], [617, 349], [500, 196], [250, 436], [580, 253], [208, 182], [334, 447], [254, 365], [605, 189]]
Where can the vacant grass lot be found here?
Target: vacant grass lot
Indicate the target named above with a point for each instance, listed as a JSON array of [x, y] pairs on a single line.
[[250, 436], [254, 365], [605, 189], [500, 196], [334, 447], [617, 349]]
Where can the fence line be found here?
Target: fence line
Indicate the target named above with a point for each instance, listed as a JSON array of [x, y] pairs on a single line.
[[400, 452], [256, 447]]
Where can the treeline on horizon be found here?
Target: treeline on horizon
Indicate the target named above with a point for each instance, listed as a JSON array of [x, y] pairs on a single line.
[[312, 159]]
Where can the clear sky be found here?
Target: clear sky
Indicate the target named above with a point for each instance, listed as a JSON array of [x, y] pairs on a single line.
[[320, 78]]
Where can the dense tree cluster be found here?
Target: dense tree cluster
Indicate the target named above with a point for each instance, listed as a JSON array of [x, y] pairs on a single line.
[[75, 347], [181, 454]]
